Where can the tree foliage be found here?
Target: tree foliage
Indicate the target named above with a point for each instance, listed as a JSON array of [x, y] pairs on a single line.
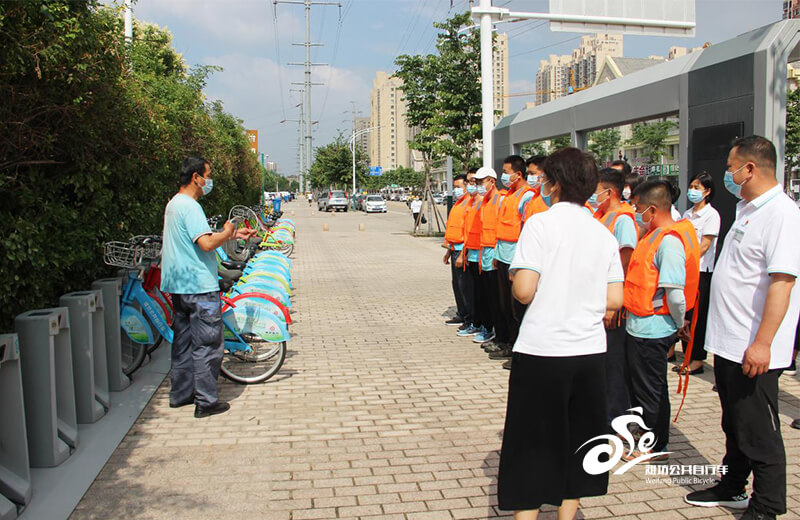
[[531, 149], [559, 143], [792, 131], [603, 143], [333, 165], [443, 94], [402, 176], [651, 137], [92, 134]]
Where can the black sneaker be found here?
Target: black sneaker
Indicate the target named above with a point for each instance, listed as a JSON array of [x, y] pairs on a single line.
[[214, 409], [718, 496], [494, 347], [507, 364], [464, 326], [796, 424], [454, 321], [752, 514], [502, 354]]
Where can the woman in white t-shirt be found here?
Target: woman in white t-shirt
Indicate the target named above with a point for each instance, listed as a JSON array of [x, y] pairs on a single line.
[[706, 222], [567, 269]]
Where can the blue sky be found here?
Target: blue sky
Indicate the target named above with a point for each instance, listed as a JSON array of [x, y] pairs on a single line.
[[254, 47]]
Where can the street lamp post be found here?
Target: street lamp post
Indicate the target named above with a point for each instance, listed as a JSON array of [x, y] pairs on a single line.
[[263, 170], [357, 133]]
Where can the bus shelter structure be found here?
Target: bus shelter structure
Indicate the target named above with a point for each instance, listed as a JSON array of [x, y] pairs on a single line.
[[728, 90]]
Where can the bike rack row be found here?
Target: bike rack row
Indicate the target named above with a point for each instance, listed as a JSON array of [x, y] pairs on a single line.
[[56, 372]]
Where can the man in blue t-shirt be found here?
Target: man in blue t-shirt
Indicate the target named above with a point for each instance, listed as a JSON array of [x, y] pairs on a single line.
[[189, 274]]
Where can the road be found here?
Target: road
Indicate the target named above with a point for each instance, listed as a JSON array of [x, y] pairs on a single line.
[[380, 412]]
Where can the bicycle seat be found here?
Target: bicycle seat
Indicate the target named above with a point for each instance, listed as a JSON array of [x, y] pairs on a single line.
[[231, 264], [229, 275]]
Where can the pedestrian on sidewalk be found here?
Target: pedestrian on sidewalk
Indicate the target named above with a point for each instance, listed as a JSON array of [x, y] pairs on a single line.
[[416, 207], [189, 274], [454, 243], [567, 270], [751, 327]]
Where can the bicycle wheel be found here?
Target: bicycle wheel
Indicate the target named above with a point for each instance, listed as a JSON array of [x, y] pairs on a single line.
[[133, 353], [287, 249], [255, 341]]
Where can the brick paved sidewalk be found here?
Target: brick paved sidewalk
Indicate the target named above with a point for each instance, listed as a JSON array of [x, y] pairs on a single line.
[[380, 411]]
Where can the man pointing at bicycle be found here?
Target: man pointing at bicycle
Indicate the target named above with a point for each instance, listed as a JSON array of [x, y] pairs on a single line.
[[189, 274]]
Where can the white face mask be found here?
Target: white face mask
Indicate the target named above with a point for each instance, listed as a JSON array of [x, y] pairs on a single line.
[[626, 193]]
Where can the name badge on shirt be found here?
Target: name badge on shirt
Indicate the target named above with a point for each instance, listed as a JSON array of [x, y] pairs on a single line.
[[738, 234]]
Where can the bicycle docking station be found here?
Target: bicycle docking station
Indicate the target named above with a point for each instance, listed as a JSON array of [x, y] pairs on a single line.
[[48, 387], [111, 289], [15, 474], [90, 371]]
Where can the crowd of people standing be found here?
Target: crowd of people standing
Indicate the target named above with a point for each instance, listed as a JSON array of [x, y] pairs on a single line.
[[583, 281]]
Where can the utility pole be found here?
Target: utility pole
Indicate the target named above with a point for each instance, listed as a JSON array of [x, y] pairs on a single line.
[[128, 21], [307, 4]]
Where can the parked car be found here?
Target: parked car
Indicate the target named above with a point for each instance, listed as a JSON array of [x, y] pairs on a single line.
[[438, 198], [322, 201], [404, 197], [394, 196], [374, 204], [337, 201], [359, 199]]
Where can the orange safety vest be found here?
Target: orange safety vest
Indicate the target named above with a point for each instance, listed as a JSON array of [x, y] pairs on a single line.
[[535, 205], [472, 225], [641, 282], [509, 221], [454, 233], [609, 220], [489, 212]]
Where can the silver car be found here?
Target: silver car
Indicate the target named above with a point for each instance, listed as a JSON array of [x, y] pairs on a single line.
[[375, 204]]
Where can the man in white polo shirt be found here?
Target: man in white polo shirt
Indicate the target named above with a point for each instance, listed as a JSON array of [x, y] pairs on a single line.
[[752, 291]]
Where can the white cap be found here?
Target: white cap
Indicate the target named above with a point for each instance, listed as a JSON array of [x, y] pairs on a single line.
[[484, 172]]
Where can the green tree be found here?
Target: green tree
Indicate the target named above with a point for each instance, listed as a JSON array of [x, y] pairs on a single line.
[[531, 149], [603, 143], [792, 131], [651, 137], [559, 143], [333, 166], [93, 134]]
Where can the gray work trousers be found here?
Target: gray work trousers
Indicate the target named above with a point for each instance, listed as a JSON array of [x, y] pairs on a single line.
[[196, 348]]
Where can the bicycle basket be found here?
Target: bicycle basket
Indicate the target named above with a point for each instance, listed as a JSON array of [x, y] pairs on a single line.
[[151, 250], [122, 254]]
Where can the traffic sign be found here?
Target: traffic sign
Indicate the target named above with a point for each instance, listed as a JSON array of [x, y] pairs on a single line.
[[375, 171]]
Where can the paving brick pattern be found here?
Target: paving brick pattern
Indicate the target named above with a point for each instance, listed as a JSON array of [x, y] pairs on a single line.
[[380, 412]]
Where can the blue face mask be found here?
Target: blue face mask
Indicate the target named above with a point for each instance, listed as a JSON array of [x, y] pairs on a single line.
[[546, 198], [506, 178], [471, 189], [533, 181], [730, 184], [208, 186], [639, 217], [482, 190], [694, 196], [458, 193]]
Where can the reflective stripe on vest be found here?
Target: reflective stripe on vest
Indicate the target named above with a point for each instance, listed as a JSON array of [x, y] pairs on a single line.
[[609, 220], [509, 221], [489, 213], [641, 281], [472, 225], [454, 233]]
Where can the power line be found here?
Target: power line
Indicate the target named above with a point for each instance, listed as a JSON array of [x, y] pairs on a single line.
[[545, 47]]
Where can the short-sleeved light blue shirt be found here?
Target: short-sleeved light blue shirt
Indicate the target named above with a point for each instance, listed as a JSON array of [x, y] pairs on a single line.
[[473, 255], [505, 250], [185, 267], [625, 232], [487, 257], [671, 264]]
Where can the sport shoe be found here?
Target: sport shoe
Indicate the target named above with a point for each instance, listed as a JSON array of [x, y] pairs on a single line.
[[454, 321], [493, 347], [502, 354], [718, 496], [752, 514], [469, 331], [796, 424], [214, 409], [507, 364], [791, 369], [484, 336], [463, 326]]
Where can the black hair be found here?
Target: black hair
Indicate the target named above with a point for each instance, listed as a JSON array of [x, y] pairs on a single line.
[[626, 168], [757, 149], [675, 190], [190, 166], [654, 192], [707, 182], [517, 163], [633, 180], [471, 170], [613, 179], [460, 177], [575, 171], [536, 160]]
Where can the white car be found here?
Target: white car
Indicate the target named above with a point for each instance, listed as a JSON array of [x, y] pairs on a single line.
[[375, 204]]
